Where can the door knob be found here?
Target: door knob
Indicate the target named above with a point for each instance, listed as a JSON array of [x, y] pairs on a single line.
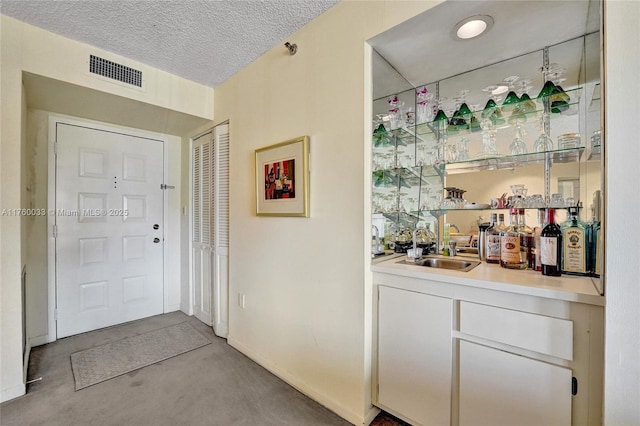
[[156, 240], [156, 226]]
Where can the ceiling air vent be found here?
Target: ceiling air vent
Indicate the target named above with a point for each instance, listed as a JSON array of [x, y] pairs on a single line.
[[115, 71]]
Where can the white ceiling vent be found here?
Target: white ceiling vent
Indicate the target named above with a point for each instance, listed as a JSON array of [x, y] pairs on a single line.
[[115, 71]]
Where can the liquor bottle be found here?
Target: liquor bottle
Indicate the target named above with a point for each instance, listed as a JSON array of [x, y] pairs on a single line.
[[574, 244], [536, 239], [551, 246], [595, 241], [501, 224], [527, 242], [511, 254], [492, 237]]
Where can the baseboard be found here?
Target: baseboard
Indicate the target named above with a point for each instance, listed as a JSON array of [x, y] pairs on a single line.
[[12, 392], [25, 361], [371, 414], [303, 387], [39, 340], [172, 308]]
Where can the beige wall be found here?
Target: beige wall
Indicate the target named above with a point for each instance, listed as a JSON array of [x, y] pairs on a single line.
[[305, 280], [310, 324], [622, 197], [53, 70]]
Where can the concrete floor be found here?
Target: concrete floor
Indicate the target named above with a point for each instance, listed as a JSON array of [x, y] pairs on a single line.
[[212, 385]]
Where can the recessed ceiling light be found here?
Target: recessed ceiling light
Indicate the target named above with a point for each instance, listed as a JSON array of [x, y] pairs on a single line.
[[499, 90], [473, 26]]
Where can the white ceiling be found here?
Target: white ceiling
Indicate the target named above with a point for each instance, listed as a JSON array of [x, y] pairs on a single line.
[[423, 49], [206, 41]]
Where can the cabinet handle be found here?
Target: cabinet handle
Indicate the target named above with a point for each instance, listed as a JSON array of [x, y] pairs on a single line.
[[574, 386]]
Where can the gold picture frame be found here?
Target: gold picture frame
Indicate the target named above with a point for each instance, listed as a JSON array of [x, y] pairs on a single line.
[[282, 178]]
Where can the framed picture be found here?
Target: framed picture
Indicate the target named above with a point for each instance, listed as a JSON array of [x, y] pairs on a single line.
[[282, 178]]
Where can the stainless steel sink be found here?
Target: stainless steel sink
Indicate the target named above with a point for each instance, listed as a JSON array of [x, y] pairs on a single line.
[[462, 265]]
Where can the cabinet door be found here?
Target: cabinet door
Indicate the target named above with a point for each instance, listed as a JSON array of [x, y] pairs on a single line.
[[500, 388], [414, 355]]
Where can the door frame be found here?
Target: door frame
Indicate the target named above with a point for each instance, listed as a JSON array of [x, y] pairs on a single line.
[[54, 119]]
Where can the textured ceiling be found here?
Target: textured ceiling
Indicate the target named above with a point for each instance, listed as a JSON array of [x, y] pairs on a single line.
[[206, 41]]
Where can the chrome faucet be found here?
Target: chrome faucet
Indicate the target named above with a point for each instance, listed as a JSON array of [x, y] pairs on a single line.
[[376, 234], [415, 242]]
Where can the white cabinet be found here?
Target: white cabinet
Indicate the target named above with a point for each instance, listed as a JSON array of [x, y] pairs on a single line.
[[453, 354], [501, 388], [414, 355]]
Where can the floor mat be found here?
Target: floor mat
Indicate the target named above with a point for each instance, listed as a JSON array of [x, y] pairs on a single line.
[[105, 362]]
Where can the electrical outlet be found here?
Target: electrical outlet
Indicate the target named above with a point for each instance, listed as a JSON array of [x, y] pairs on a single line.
[[241, 300]]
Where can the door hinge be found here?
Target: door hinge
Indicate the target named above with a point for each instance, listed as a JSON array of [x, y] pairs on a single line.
[[55, 148], [55, 231], [55, 314], [574, 386], [165, 186]]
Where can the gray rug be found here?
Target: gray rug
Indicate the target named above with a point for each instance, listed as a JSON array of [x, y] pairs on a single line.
[[114, 359]]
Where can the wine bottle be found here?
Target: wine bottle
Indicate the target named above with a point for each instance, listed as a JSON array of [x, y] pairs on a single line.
[[551, 246], [537, 231]]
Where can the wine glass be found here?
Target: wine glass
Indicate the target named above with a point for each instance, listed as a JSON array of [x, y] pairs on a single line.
[[517, 146], [463, 152], [395, 115], [512, 99], [527, 106], [543, 143], [488, 140], [441, 121], [491, 109], [549, 87], [424, 109], [559, 98]]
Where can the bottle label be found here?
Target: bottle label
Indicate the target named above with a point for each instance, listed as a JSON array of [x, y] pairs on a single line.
[[574, 257], [548, 250], [493, 247], [510, 249], [536, 243]]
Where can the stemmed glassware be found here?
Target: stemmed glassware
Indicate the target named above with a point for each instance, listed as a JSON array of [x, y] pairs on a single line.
[[512, 99], [543, 143], [488, 140], [381, 137], [491, 109], [558, 98], [527, 105], [463, 152], [524, 106], [395, 119], [424, 107], [518, 146], [441, 124]]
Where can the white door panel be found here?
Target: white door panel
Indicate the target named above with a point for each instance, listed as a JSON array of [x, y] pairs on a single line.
[[109, 257], [210, 167], [500, 388]]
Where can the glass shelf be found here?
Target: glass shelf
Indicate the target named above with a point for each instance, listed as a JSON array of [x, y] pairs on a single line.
[[414, 175], [404, 176], [508, 119], [511, 161], [440, 212]]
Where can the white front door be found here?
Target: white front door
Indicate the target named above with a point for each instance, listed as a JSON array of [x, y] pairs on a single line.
[[109, 228]]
